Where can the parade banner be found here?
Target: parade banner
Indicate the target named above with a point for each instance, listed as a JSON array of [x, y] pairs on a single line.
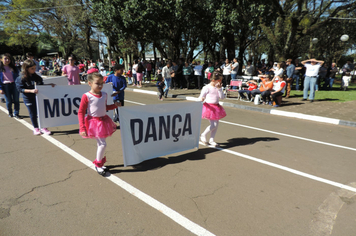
[[152, 131], [59, 105], [59, 80]]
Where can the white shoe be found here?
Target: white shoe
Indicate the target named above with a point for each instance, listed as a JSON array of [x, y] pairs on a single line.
[[212, 143], [203, 140], [100, 170]]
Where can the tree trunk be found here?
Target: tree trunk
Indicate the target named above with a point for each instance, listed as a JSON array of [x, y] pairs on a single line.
[[154, 53], [222, 49], [230, 45], [143, 50], [87, 39], [109, 50], [242, 49]]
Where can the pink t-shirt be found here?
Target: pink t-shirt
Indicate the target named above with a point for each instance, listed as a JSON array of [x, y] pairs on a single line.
[[94, 105], [211, 94], [8, 78], [72, 74]]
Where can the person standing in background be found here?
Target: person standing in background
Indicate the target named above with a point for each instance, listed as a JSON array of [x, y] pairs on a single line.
[[311, 76], [198, 76], [8, 75], [30, 56], [71, 71], [290, 72], [330, 79], [227, 67], [298, 73]]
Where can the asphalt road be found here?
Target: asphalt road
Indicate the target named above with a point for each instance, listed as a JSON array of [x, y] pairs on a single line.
[[271, 176]]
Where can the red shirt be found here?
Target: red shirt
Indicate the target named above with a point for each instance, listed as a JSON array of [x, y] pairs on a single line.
[[252, 86]]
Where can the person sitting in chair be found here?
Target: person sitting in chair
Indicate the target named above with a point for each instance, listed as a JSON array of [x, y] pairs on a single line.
[[265, 85], [251, 86]]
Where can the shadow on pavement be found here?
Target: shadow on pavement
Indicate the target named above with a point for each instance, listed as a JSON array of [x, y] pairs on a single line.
[[285, 104], [327, 99], [64, 132], [197, 155]]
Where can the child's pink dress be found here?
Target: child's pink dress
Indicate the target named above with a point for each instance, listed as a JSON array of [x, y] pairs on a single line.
[[96, 124], [212, 110]]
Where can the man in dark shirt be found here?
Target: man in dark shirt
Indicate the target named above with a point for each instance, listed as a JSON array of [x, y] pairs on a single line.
[[331, 74]]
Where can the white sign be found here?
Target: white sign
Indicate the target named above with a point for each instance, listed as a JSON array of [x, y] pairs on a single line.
[[152, 131], [59, 80], [59, 105]]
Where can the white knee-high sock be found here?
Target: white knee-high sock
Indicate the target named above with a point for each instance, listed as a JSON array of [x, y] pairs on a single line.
[[213, 131], [101, 142], [211, 128]]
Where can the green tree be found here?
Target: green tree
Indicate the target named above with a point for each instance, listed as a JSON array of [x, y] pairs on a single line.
[[294, 22]]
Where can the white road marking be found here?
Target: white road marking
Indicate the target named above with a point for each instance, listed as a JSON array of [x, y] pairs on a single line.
[[290, 170], [297, 172], [135, 102], [175, 216], [325, 217], [290, 136], [305, 117]]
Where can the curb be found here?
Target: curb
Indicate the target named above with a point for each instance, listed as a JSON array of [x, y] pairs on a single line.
[[263, 110]]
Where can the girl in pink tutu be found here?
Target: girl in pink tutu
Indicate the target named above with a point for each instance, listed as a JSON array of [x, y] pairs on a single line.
[[96, 124], [212, 110]]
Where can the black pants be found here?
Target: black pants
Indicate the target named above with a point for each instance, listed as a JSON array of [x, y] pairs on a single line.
[[198, 81], [266, 96], [275, 95], [176, 82], [161, 93], [116, 116], [148, 75], [226, 80], [187, 81]]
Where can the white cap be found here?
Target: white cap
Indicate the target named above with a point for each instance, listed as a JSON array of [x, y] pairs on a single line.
[[102, 68]]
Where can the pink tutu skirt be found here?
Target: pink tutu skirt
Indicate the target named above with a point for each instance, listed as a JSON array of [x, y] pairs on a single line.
[[213, 111], [99, 127]]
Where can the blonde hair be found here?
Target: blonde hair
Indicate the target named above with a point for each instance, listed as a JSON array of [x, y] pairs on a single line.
[[91, 76]]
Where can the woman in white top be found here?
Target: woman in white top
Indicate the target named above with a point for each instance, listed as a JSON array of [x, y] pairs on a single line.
[[198, 76], [278, 73], [166, 75], [134, 72], [227, 67], [249, 69]]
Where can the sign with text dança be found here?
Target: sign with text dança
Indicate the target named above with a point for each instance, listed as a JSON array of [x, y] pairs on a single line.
[[152, 131]]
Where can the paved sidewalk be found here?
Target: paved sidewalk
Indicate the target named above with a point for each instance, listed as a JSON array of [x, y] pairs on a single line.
[[320, 110]]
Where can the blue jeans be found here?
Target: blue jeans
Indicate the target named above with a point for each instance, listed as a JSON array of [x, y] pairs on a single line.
[[167, 82], [331, 82], [296, 77], [233, 77], [248, 92], [309, 82], [32, 110], [12, 95], [135, 78], [129, 79]]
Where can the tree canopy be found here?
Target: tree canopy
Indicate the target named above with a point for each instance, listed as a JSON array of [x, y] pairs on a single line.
[[176, 29]]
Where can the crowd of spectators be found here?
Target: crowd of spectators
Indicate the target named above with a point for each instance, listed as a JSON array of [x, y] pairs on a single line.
[[194, 74]]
